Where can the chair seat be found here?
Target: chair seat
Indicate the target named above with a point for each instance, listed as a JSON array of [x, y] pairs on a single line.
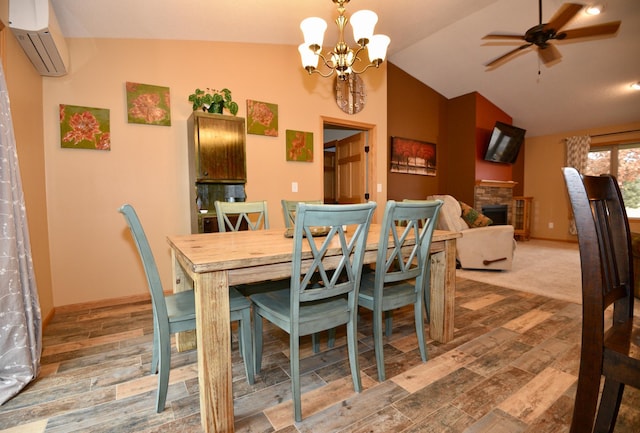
[[276, 305], [180, 306], [237, 301], [396, 295]]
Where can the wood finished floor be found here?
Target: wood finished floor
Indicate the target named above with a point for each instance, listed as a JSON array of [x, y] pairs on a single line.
[[511, 368]]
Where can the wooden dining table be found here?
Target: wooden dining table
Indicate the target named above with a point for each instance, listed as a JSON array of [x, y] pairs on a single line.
[[209, 263]]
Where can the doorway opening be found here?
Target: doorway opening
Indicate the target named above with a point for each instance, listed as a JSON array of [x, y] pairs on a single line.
[[348, 161]]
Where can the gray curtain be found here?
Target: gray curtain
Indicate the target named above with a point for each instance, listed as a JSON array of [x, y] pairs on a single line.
[[577, 152], [20, 319]]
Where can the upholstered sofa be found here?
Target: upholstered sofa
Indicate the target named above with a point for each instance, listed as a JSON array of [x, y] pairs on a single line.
[[490, 247]]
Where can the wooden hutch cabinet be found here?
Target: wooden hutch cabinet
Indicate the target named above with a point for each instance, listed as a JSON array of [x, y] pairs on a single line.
[[217, 165]]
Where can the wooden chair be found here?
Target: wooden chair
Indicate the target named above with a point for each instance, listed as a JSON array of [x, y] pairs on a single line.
[[402, 274], [177, 313], [607, 279], [318, 298], [289, 210], [232, 215]]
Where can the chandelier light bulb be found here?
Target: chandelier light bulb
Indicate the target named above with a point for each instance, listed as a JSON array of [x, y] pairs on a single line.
[[308, 57], [363, 23], [378, 48], [313, 29]]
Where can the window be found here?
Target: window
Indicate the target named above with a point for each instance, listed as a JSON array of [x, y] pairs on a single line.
[[622, 161]]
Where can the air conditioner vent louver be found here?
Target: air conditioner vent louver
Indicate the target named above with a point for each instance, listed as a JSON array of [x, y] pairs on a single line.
[[34, 25]]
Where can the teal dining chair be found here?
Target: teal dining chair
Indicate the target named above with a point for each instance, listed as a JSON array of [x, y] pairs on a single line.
[[289, 214], [177, 313], [323, 290], [232, 216], [402, 270]]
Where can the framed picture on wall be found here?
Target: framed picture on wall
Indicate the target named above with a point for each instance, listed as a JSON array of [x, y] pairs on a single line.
[[411, 156], [299, 146], [84, 127], [148, 104]]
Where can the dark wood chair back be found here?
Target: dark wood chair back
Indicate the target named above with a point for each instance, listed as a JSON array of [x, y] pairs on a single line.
[[607, 279]]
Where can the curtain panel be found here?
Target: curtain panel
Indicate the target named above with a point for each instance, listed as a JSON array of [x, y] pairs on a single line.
[[577, 157], [20, 317]]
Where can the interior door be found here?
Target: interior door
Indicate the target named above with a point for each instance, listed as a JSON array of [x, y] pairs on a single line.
[[350, 169], [330, 176]]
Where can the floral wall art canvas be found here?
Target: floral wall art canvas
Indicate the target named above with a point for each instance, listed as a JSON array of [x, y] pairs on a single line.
[[148, 104], [413, 156], [84, 127], [262, 118], [299, 146]]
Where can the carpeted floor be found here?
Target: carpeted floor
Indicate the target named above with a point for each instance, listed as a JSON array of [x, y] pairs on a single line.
[[549, 268]]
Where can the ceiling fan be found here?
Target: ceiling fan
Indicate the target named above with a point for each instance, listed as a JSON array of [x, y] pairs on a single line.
[[543, 33]]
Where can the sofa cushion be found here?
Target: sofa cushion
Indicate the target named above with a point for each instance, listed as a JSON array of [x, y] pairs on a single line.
[[473, 218]]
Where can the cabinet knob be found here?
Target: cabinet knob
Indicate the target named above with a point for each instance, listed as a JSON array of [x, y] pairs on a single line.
[[206, 173]]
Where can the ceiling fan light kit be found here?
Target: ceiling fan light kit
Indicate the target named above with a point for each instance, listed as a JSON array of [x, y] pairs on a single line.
[[594, 9], [636, 85], [542, 34]]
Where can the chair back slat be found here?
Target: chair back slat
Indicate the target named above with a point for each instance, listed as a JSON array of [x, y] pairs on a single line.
[[148, 263], [289, 210], [312, 278], [607, 215], [254, 214]]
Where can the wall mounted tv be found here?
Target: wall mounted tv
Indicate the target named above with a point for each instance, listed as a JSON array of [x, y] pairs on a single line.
[[505, 143]]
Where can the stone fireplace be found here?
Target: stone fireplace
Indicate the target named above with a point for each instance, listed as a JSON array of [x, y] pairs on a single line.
[[494, 192]]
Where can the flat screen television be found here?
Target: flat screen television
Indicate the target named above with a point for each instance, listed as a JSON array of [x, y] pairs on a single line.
[[505, 143]]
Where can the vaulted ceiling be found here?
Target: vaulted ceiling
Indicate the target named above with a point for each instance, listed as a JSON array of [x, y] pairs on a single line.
[[439, 42]]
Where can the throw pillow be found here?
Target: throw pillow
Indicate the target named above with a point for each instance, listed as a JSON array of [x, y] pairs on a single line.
[[473, 218]]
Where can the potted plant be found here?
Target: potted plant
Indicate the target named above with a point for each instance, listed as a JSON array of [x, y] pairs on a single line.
[[213, 101]]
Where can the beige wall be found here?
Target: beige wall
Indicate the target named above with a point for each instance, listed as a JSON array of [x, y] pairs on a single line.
[[544, 156], [91, 254], [25, 93]]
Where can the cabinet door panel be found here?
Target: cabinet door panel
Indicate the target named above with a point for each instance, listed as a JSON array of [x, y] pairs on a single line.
[[220, 149]]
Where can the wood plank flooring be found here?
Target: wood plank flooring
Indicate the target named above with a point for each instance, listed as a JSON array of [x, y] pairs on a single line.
[[511, 368]]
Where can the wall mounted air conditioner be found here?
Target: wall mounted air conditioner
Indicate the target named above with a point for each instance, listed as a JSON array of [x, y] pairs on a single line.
[[34, 24]]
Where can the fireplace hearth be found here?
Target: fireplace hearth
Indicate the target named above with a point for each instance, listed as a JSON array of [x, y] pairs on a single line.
[[489, 193]]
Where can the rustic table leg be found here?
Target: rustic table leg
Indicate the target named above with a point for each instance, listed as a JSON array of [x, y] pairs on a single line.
[[443, 290], [214, 351]]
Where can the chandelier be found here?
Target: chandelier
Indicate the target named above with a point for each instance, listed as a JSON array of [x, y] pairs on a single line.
[[342, 59]]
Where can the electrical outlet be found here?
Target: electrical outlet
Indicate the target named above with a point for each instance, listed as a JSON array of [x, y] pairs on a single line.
[[550, 225], [294, 186], [379, 187]]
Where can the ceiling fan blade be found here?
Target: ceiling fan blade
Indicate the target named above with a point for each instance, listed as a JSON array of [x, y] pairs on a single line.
[[566, 12], [508, 54], [549, 54], [596, 30], [503, 36]]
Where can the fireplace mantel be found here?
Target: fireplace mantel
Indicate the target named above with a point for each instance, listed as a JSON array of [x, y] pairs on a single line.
[[496, 183]]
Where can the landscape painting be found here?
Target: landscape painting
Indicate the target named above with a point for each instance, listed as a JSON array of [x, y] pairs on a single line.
[[413, 156]]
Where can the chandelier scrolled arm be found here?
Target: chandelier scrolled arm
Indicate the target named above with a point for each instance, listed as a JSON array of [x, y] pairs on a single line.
[[342, 59]]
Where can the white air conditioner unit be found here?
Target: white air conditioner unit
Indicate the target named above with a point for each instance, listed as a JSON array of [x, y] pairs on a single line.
[[34, 24]]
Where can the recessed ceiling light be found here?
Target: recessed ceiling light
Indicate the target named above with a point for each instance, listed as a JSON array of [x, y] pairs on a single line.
[[593, 9], [636, 85]]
